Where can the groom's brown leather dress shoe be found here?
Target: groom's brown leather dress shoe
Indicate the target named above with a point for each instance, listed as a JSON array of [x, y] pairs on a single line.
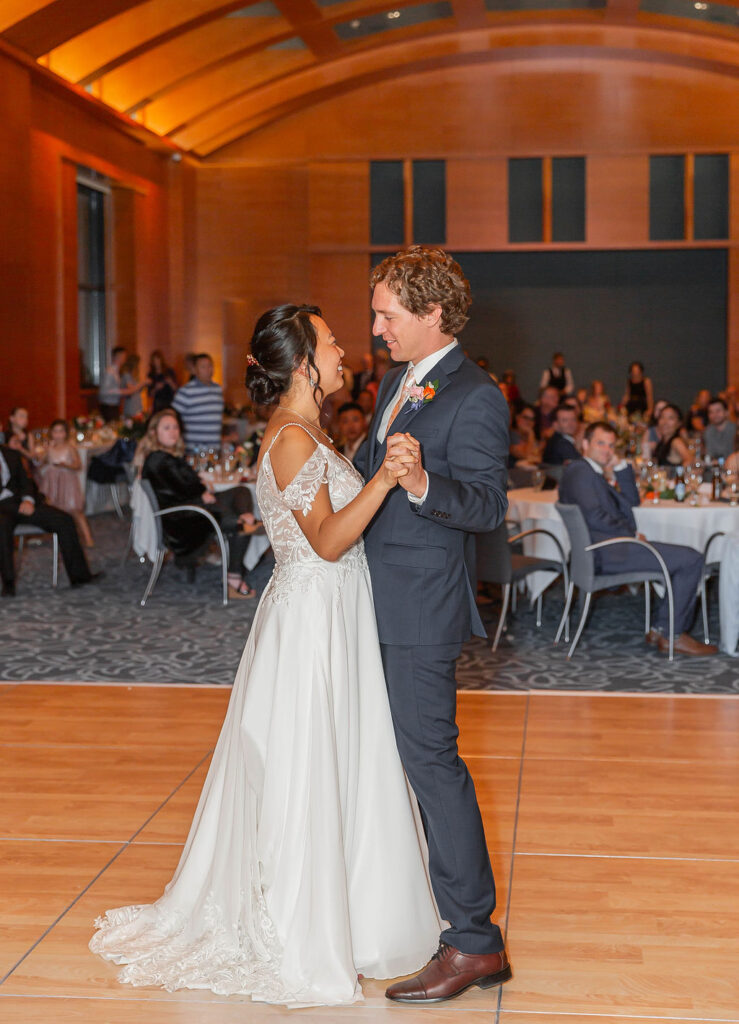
[[449, 973]]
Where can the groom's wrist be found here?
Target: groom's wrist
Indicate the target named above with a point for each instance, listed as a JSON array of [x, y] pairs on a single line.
[[418, 499]]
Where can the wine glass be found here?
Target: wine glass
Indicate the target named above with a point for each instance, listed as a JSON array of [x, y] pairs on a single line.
[[537, 479], [693, 480], [654, 480], [731, 484]]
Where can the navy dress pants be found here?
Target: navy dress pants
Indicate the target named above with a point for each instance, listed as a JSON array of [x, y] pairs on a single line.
[[423, 701], [684, 565]]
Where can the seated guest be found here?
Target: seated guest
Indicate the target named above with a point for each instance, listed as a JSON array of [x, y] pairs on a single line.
[[59, 481], [22, 504], [698, 415], [366, 402], [524, 448], [597, 405], [545, 410], [671, 449], [719, 437], [352, 429], [160, 460], [17, 436], [561, 447], [200, 405], [606, 492]]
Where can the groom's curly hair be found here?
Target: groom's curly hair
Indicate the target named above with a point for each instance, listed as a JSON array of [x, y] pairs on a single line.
[[422, 277]]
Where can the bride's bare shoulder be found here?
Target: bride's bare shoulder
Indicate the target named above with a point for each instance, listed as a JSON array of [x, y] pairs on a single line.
[[289, 449]]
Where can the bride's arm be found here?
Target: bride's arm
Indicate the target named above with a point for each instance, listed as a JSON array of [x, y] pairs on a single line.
[[330, 533]]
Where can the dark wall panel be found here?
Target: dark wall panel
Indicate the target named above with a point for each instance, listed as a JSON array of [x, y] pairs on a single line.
[[602, 309], [525, 199], [387, 202], [429, 201]]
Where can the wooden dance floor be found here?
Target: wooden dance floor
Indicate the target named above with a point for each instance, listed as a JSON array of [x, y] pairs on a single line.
[[613, 825]]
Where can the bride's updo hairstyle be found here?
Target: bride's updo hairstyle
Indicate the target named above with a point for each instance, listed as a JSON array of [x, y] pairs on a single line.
[[283, 337]]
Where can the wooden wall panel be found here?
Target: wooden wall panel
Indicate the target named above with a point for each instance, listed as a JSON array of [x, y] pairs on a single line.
[[530, 108], [17, 375], [124, 296], [338, 204], [617, 201], [477, 204], [252, 242], [339, 284]]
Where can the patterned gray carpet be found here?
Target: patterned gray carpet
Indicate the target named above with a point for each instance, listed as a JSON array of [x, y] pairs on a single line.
[[184, 635]]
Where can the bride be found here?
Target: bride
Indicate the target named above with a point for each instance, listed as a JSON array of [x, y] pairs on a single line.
[[305, 865]]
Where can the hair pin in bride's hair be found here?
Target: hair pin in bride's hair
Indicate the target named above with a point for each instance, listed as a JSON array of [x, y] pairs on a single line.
[[251, 361]]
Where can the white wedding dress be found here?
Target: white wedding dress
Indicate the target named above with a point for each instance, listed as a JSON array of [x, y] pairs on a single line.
[[306, 862]]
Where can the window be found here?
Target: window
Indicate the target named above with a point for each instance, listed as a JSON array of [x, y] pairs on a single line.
[[92, 200]]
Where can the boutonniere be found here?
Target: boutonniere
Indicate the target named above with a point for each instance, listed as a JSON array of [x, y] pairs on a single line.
[[421, 395]]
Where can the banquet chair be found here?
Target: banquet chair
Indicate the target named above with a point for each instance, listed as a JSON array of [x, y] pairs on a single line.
[[160, 551], [710, 571], [584, 576], [22, 531], [497, 563]]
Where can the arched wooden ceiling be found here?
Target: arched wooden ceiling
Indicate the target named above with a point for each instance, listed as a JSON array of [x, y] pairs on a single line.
[[203, 73]]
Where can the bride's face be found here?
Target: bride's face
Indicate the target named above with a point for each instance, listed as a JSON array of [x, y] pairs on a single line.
[[327, 357]]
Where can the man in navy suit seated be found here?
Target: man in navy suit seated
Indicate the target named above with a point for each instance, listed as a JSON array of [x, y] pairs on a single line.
[[560, 448], [606, 492]]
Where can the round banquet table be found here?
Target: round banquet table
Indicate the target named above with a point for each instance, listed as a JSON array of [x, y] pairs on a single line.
[[670, 522]]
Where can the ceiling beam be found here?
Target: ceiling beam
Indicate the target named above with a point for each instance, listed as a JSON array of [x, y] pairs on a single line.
[[62, 20]]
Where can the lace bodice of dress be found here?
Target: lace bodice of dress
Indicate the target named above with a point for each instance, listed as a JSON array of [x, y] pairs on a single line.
[[297, 564]]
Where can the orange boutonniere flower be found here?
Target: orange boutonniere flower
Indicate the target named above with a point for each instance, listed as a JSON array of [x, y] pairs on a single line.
[[421, 395]]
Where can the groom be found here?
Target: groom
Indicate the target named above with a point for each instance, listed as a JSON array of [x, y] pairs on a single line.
[[419, 547]]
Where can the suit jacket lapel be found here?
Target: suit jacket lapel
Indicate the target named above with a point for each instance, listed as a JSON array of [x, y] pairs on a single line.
[[442, 373]]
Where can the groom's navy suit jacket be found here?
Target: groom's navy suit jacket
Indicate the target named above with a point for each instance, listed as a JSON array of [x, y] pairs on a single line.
[[419, 554]]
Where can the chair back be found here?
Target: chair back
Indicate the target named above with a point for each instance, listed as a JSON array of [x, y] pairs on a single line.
[[582, 562], [493, 556], [148, 492]]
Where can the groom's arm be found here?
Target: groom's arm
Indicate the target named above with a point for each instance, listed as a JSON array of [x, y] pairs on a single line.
[[473, 496]]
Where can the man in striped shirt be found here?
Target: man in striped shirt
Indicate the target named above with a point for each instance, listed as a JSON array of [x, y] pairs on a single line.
[[200, 405]]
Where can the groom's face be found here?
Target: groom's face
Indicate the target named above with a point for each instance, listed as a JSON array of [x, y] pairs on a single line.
[[406, 335]]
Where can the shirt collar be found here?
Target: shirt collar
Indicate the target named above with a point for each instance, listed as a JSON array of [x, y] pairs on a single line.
[[423, 366], [598, 469]]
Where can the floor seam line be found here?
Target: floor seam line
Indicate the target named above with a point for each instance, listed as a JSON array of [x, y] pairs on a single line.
[[524, 733], [102, 871]]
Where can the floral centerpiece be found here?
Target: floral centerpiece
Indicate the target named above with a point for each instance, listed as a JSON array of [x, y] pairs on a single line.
[[132, 428]]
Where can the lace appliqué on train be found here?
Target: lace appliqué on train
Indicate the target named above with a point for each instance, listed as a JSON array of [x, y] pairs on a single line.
[[155, 949]]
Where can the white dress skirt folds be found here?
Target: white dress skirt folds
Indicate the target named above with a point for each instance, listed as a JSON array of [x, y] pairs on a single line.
[[306, 862]]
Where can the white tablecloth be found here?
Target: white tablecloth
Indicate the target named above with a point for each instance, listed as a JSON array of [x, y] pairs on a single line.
[[145, 534], [670, 522]]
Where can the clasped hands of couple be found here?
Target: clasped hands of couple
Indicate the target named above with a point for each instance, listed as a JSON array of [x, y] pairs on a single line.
[[402, 464]]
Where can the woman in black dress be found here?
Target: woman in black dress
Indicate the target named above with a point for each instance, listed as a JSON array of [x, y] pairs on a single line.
[[638, 398], [161, 382], [160, 460]]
